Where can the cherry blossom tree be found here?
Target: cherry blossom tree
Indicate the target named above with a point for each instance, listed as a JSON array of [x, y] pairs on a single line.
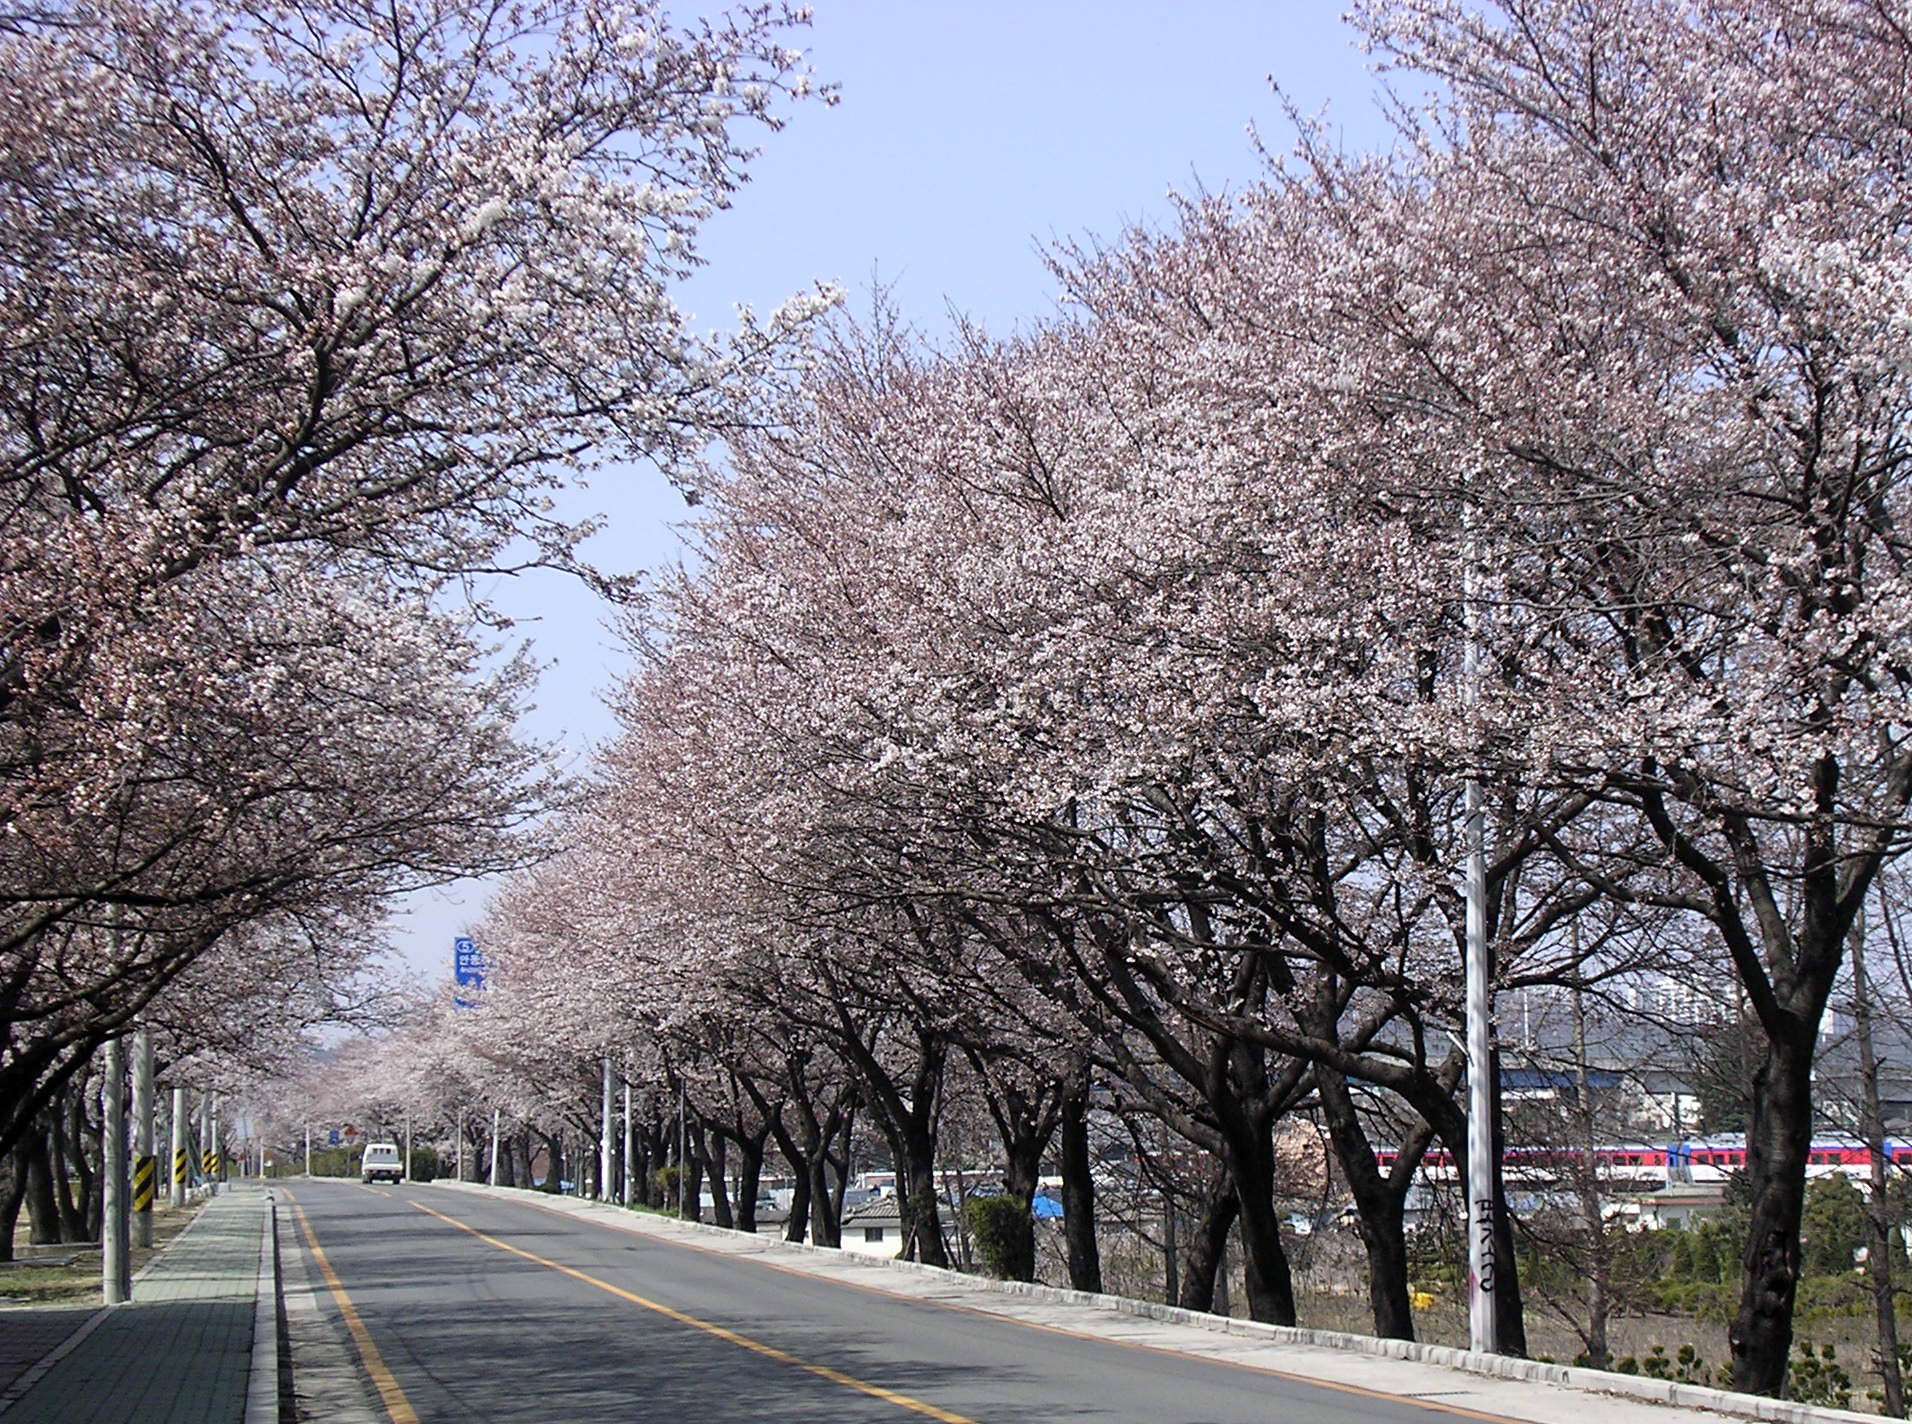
[[309, 309]]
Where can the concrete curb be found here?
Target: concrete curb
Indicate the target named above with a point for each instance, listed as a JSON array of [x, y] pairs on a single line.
[[262, 1382], [1652, 1391]]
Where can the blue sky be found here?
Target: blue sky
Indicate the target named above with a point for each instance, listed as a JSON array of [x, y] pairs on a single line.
[[968, 136]]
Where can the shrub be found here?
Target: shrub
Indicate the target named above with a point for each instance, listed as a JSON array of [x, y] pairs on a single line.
[[1819, 1379], [1004, 1241]]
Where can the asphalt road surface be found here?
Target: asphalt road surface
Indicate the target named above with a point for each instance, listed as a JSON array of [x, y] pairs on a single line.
[[465, 1307]]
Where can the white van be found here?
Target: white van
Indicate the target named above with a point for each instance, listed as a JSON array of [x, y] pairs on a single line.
[[381, 1159]]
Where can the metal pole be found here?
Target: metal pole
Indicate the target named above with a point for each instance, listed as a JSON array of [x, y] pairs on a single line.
[[406, 1175], [630, 1186], [215, 1147], [308, 1149], [182, 1154], [604, 1137], [145, 1168], [116, 1257], [492, 1180], [683, 1151], [1483, 1334]]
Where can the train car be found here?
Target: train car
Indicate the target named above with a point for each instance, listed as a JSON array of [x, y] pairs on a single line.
[[1694, 1159]]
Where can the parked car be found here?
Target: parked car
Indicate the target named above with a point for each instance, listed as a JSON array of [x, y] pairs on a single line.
[[381, 1162]]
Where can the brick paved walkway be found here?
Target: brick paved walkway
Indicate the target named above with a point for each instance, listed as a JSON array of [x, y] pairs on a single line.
[[182, 1351]]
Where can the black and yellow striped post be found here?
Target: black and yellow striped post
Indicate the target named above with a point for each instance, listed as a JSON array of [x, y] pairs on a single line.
[[211, 1164], [145, 1176], [182, 1159]]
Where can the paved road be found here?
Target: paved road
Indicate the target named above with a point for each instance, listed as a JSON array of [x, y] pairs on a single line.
[[488, 1309]]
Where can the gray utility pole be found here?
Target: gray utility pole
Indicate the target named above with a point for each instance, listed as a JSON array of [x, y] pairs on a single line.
[[145, 1166], [116, 1256], [492, 1180], [630, 1183], [308, 1149], [604, 1138], [182, 1154], [683, 1152], [215, 1148], [1482, 1329], [406, 1174]]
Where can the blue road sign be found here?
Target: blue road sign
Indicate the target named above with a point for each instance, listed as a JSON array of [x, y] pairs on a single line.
[[468, 965]]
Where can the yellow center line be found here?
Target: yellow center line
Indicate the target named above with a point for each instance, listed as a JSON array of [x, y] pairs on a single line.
[[396, 1404], [1361, 1391], [769, 1352]]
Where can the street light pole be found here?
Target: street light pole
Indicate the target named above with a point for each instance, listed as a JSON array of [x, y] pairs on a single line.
[[604, 1136], [145, 1168], [630, 1185], [182, 1158], [116, 1264], [1482, 1328]]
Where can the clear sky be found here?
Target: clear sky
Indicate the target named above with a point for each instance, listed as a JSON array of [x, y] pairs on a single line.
[[968, 135]]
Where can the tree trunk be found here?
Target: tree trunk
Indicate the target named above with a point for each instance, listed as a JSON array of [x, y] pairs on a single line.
[[1778, 1141], [826, 1224], [690, 1181], [749, 1180], [1022, 1174], [43, 1210], [1207, 1246], [1271, 1289], [13, 1191], [916, 1190], [72, 1211], [1510, 1319], [717, 1150], [1380, 1205], [1078, 1195], [797, 1224], [1171, 1254]]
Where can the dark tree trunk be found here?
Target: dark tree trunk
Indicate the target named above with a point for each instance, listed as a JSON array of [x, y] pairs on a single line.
[[717, 1152], [1207, 1245], [1271, 1291], [553, 1161], [1778, 1141], [13, 1191], [749, 1180], [1510, 1316], [826, 1221], [797, 1225], [1022, 1174], [916, 1189], [1381, 1208], [1078, 1195], [43, 1209], [72, 1211], [690, 1180], [521, 1154]]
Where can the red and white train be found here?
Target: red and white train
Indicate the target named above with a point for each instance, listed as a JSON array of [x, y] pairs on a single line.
[[1692, 1159]]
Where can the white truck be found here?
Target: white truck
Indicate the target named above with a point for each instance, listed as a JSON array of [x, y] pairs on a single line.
[[381, 1161]]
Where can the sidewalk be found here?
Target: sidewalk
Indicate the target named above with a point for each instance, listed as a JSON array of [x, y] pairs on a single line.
[[184, 1350]]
